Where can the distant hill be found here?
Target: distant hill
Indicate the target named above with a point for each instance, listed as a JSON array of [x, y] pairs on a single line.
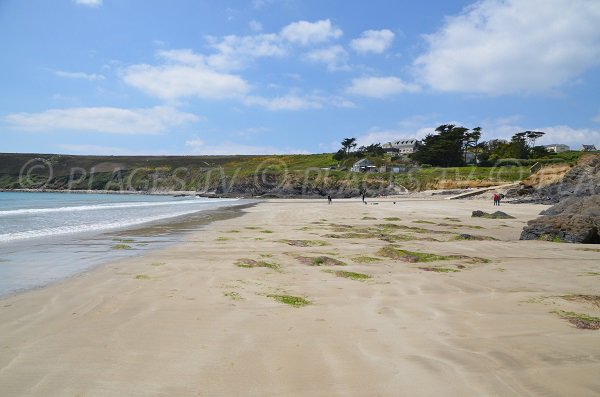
[[313, 175]]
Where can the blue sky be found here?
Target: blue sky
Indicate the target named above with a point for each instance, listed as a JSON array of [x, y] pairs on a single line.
[[291, 76]]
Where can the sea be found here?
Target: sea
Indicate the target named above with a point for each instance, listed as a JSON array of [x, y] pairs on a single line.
[[47, 237]]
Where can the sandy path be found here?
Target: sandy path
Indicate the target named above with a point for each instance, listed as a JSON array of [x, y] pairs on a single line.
[[168, 324]]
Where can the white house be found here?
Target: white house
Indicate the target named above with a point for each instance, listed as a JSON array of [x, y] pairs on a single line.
[[363, 165], [402, 146], [557, 148]]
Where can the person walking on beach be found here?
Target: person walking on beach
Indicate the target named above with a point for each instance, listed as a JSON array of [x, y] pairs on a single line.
[[496, 199], [363, 197], [328, 199]]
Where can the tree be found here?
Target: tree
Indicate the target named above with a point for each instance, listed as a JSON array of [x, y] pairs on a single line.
[[444, 148], [532, 136], [472, 141], [518, 146], [348, 144], [374, 149]]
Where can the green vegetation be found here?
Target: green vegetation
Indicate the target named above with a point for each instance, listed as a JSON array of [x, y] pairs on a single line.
[[223, 239], [233, 295], [392, 218], [157, 264], [350, 275], [592, 274], [436, 269], [409, 256], [305, 243], [266, 231], [320, 261], [124, 240], [366, 259], [294, 301], [233, 174], [582, 298], [580, 320], [368, 218], [121, 247], [422, 221], [469, 237], [251, 263], [142, 277], [553, 238]]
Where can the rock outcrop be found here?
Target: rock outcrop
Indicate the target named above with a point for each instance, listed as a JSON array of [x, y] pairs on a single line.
[[573, 220], [580, 181]]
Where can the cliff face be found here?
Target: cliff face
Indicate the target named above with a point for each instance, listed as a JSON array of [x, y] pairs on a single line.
[[575, 217], [580, 181]]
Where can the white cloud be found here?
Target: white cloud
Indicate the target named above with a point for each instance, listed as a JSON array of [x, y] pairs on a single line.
[[513, 46], [575, 137], [188, 76], [378, 135], [255, 26], [89, 3], [197, 146], [79, 75], [376, 41], [335, 57], [183, 55], [286, 102], [258, 4], [380, 87], [102, 119], [304, 32], [235, 52]]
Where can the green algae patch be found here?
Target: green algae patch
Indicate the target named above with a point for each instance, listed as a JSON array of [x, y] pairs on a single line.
[[436, 269], [291, 300], [305, 243], [350, 275], [409, 256], [142, 277], [251, 263], [580, 320], [366, 259], [233, 295], [320, 261], [121, 247]]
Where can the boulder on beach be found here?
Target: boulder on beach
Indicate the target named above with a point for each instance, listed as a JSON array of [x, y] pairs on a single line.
[[573, 220]]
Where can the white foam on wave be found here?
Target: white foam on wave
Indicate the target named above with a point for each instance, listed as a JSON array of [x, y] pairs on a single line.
[[95, 207], [60, 230]]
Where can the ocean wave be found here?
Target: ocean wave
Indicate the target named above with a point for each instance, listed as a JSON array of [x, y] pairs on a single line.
[[95, 207], [61, 230]]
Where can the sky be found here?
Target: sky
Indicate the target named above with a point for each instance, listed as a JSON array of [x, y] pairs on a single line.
[[191, 77]]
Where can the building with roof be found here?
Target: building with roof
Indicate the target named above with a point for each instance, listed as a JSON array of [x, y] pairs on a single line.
[[402, 146], [363, 165], [557, 148]]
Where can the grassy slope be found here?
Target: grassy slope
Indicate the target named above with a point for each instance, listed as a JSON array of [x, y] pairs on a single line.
[[300, 174]]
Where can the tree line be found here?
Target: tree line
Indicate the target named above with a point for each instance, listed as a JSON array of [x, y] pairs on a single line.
[[451, 146]]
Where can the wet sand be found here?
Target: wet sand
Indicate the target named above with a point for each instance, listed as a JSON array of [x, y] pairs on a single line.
[[480, 319]]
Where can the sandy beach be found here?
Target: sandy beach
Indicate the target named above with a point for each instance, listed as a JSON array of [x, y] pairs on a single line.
[[396, 305]]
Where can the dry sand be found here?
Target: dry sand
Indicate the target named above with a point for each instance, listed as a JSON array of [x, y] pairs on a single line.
[[186, 321]]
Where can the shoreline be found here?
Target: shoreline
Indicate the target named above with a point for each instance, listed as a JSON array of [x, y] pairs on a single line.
[[202, 317], [177, 229]]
